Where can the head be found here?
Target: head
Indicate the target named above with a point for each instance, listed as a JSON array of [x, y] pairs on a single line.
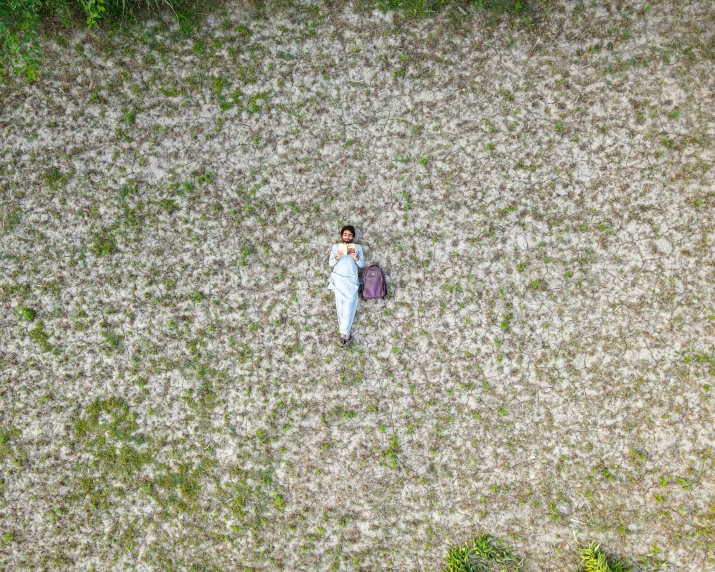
[[347, 233]]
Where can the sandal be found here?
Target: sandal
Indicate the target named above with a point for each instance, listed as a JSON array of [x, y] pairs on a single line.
[[341, 341]]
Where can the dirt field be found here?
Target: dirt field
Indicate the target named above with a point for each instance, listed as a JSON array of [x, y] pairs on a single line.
[[541, 199]]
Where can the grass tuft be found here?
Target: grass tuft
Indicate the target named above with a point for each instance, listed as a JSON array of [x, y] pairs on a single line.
[[25, 313], [39, 334], [104, 244]]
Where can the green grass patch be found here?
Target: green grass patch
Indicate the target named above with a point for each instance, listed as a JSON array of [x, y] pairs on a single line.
[[55, 179], [10, 218], [104, 243], [9, 448], [425, 8]]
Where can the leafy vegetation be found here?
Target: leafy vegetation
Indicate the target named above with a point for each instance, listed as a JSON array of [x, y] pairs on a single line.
[[487, 554], [104, 243], [482, 554], [25, 313], [594, 560], [39, 334], [22, 20], [19, 47]]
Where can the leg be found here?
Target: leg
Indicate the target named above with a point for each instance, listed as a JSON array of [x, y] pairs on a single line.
[[350, 308], [340, 307]]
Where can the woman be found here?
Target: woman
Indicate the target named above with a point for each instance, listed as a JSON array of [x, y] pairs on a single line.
[[344, 281]]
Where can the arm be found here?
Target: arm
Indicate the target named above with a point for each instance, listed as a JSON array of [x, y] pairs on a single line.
[[332, 260], [360, 256]]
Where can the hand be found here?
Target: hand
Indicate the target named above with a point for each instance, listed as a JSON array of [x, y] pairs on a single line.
[[337, 255], [355, 256]]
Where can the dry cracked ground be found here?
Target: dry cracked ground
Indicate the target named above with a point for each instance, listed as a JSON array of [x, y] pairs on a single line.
[[541, 199]]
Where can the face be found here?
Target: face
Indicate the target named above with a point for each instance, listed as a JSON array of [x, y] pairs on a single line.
[[347, 236]]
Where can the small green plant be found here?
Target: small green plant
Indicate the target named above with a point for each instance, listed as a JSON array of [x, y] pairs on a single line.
[[10, 218], [196, 296], [55, 179], [252, 104], [93, 10], [39, 334], [482, 554], [594, 560], [130, 116], [393, 450], [279, 502], [25, 313], [104, 243], [168, 206], [113, 339]]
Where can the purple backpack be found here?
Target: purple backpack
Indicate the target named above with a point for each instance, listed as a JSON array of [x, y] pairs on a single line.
[[374, 284]]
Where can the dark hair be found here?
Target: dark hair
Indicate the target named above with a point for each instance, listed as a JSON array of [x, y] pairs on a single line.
[[347, 227]]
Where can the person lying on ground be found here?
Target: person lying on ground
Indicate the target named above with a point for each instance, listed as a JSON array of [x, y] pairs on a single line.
[[345, 259]]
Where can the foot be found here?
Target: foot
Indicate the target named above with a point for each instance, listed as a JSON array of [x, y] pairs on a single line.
[[348, 340], [341, 341]]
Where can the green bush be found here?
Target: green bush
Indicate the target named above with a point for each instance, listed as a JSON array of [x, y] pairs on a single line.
[[19, 48], [487, 554], [482, 554], [594, 560]]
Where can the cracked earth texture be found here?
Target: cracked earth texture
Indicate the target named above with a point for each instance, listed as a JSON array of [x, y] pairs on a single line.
[[541, 200]]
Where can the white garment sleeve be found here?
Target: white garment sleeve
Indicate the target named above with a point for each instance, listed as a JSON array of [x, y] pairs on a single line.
[[332, 262], [360, 255]]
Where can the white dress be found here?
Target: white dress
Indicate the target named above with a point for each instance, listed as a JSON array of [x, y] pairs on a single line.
[[344, 282]]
